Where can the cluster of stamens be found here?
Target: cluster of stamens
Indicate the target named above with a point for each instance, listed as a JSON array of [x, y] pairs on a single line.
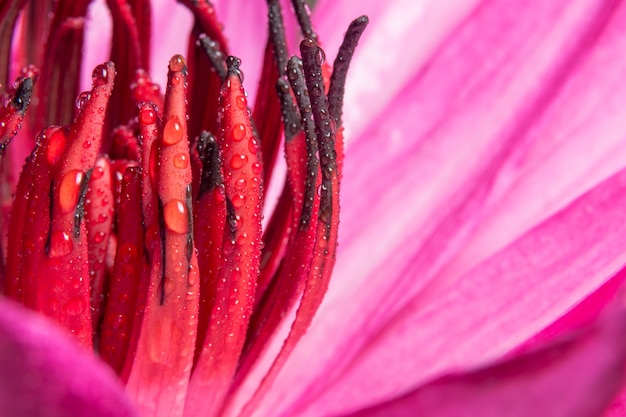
[[137, 223]]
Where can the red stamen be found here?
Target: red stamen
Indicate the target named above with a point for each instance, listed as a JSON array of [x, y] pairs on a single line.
[[166, 345], [98, 221], [240, 253]]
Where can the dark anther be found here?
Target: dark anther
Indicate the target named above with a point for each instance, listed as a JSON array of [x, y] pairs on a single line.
[[231, 218], [291, 118], [211, 162], [215, 55], [341, 65], [188, 202], [23, 93], [233, 63], [304, 20], [80, 206], [324, 129], [304, 103], [277, 35], [46, 246]]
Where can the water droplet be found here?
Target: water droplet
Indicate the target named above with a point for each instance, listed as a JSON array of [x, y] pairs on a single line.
[[241, 102], [82, 99], [238, 161], [177, 63], [87, 144], [75, 306], [181, 161], [97, 173], [128, 253], [173, 131], [256, 168], [240, 184], [61, 244], [239, 132], [56, 146], [253, 146], [238, 200], [147, 116], [242, 239], [69, 190], [98, 238], [176, 216], [176, 80], [99, 75]]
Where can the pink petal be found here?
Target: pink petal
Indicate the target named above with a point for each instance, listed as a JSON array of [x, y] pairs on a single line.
[[420, 181], [482, 316], [44, 373], [576, 377]]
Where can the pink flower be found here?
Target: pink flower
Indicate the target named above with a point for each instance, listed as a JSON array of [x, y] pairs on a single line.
[[482, 221]]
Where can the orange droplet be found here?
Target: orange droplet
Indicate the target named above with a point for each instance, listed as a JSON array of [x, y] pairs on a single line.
[[173, 131], [56, 146], [60, 244], [181, 161], [242, 103], [69, 190], [238, 200], [176, 216], [239, 132], [177, 63], [238, 161], [147, 116]]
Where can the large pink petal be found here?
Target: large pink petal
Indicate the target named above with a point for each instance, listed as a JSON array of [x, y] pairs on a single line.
[[418, 183], [482, 316], [44, 373], [576, 377]]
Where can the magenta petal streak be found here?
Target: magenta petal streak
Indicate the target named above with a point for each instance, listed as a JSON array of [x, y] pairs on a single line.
[[46, 374]]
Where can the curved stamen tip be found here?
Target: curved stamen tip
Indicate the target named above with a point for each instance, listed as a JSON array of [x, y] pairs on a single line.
[[22, 96], [233, 63], [177, 63]]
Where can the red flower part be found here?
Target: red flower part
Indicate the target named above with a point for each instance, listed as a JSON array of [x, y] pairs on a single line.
[[29, 224], [241, 248], [164, 357], [143, 90], [130, 49], [9, 10], [99, 222], [56, 281], [206, 75], [60, 69], [209, 222], [124, 143], [12, 114], [119, 331]]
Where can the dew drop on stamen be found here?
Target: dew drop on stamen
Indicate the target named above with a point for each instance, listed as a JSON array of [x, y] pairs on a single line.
[[97, 173], [98, 238], [60, 244], [176, 216], [252, 146], [99, 75], [181, 161], [240, 184], [75, 306], [256, 168], [172, 131], [56, 146], [69, 190], [238, 161], [242, 103], [82, 99], [147, 116], [239, 132], [238, 200], [177, 63]]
